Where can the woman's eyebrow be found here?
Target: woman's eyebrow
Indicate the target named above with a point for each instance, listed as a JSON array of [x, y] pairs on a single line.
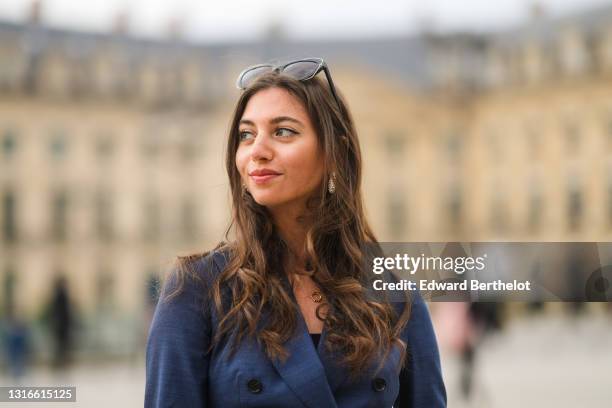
[[273, 121], [279, 119]]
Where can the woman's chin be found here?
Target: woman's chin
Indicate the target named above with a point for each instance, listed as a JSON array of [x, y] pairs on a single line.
[[266, 199]]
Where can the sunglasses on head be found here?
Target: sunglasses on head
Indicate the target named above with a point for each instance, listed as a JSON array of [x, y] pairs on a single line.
[[302, 70]]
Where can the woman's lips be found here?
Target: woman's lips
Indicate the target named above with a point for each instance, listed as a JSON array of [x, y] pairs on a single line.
[[263, 179]]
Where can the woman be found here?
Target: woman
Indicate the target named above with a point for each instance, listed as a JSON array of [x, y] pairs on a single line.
[[280, 316]]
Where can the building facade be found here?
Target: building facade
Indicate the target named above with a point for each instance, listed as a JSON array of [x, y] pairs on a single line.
[[112, 147]]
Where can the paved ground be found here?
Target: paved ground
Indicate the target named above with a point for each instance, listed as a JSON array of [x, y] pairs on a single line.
[[112, 385], [541, 362], [537, 362]]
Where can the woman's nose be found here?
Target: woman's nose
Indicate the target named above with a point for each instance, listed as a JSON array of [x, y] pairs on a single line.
[[261, 149]]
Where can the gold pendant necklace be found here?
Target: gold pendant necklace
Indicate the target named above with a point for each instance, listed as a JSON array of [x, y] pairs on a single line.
[[316, 295]]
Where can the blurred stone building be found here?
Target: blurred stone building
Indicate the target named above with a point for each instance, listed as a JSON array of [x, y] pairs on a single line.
[[112, 147]]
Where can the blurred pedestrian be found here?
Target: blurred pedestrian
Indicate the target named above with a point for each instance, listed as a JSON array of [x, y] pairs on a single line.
[[16, 342], [61, 323], [485, 318]]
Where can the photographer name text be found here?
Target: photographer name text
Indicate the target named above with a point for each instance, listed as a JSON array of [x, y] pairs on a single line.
[[433, 285]]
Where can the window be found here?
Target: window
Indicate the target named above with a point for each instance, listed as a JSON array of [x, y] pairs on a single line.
[[151, 144], [534, 215], [189, 226], [574, 208], [397, 214], [9, 216], [533, 141], [609, 194], [499, 214], [9, 143], [104, 145], [574, 51], [610, 201], [454, 147], [454, 202], [104, 215], [191, 146], [59, 211], [58, 144], [8, 291], [104, 288], [394, 144], [151, 218], [572, 137], [609, 133], [495, 148]]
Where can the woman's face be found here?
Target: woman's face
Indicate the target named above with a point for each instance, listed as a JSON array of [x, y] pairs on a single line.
[[278, 155]]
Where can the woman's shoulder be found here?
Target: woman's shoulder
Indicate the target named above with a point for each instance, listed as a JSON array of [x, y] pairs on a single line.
[[204, 265], [191, 273]]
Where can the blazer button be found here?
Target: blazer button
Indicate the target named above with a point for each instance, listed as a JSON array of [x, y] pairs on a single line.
[[255, 385], [379, 384]]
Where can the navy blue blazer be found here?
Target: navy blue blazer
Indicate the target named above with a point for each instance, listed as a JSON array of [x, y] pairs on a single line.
[[180, 374]]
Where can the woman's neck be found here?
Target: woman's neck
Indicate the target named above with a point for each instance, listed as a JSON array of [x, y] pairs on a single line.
[[292, 229]]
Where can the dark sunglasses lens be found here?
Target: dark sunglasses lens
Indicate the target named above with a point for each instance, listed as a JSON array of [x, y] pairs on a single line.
[[302, 69], [251, 75]]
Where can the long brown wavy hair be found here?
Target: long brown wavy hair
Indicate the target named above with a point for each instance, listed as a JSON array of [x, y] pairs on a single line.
[[357, 326]]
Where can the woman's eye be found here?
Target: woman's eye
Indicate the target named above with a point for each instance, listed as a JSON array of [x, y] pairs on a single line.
[[244, 135], [288, 132]]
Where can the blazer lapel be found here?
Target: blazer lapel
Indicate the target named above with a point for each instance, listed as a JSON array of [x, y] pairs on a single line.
[[335, 373], [304, 370]]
